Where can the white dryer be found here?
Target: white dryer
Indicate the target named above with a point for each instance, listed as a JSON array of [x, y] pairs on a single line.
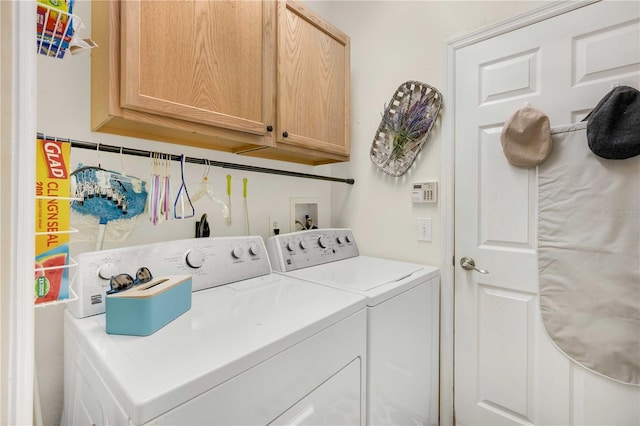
[[255, 348], [402, 318]]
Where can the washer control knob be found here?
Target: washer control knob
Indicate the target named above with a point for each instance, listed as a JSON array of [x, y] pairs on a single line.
[[237, 253], [107, 271], [322, 242], [254, 250], [303, 245], [339, 240], [290, 246], [194, 258], [347, 238]]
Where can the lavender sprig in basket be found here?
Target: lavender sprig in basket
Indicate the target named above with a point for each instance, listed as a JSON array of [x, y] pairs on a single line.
[[405, 126]]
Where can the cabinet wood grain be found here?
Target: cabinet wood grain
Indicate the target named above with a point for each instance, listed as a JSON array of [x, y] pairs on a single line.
[[313, 81], [207, 67], [228, 75]]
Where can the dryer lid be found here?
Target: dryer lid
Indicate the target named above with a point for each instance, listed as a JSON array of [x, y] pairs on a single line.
[[376, 278]]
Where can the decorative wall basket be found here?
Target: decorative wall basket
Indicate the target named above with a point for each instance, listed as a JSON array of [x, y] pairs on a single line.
[[405, 126]]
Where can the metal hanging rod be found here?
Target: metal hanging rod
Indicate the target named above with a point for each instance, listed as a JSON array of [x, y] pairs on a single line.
[[142, 153]]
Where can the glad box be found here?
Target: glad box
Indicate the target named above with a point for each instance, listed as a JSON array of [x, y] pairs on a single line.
[[52, 221]]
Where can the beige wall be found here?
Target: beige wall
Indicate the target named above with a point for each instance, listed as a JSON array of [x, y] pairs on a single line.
[[391, 42]]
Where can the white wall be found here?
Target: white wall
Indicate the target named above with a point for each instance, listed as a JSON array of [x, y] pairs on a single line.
[[6, 111], [392, 42], [64, 111]]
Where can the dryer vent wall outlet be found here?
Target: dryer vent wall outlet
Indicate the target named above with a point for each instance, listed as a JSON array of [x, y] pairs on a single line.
[[304, 213]]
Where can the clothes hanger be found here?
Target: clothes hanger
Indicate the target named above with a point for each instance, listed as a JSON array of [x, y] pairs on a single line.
[[206, 191], [179, 208]]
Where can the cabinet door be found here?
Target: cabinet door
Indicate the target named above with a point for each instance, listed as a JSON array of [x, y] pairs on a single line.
[[313, 81], [203, 61]]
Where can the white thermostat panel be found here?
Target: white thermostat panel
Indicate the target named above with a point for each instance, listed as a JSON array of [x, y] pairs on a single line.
[[425, 192]]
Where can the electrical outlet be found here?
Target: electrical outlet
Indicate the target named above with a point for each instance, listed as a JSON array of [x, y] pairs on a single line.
[[274, 223]]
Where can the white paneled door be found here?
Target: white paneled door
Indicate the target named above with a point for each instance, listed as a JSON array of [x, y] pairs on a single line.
[[507, 371]]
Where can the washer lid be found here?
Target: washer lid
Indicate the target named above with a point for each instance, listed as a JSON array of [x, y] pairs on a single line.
[[228, 330], [375, 278]]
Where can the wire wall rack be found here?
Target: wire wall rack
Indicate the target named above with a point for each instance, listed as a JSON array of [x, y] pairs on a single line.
[[41, 269], [55, 29]]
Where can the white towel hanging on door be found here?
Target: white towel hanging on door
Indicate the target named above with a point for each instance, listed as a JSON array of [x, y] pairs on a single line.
[[589, 255]]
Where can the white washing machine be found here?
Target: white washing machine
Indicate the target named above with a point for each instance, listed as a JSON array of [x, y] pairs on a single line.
[[255, 348], [403, 301]]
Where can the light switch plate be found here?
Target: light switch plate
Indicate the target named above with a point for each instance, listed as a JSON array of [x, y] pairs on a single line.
[[424, 229]]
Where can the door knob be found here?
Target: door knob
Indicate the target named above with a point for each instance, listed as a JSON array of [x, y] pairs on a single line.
[[469, 264]]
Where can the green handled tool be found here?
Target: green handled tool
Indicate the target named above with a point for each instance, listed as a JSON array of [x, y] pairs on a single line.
[[246, 209], [229, 198]]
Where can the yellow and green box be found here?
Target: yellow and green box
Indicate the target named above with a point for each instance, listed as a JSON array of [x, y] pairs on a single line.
[[52, 221]]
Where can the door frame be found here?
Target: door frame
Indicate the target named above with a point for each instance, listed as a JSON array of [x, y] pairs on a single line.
[[17, 134], [447, 301]]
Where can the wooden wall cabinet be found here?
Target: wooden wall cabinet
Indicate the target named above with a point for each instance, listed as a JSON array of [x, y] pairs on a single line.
[[267, 79], [312, 88]]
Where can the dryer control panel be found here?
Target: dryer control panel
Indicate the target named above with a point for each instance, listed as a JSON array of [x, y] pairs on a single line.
[[303, 249], [211, 262]]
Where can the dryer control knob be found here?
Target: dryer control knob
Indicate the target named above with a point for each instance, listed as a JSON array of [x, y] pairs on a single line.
[[194, 258], [237, 253], [347, 238], [107, 271], [303, 245], [254, 250], [322, 242], [290, 246], [339, 240]]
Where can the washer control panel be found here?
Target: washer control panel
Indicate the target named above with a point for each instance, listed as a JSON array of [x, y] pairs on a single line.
[[303, 249], [211, 262]]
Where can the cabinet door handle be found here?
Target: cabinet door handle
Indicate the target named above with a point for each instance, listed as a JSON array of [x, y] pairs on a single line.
[[269, 128], [285, 134]]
